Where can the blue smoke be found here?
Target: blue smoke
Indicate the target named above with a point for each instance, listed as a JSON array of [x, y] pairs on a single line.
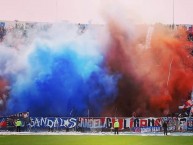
[[63, 81]]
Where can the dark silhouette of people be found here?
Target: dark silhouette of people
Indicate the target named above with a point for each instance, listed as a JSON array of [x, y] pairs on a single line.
[[165, 127]]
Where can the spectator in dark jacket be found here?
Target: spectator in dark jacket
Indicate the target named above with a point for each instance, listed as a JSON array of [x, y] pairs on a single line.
[[165, 127]]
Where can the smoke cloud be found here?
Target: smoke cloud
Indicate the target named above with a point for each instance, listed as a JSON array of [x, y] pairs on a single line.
[[110, 70], [58, 73], [155, 66]]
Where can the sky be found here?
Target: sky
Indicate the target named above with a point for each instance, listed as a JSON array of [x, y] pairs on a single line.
[[84, 11]]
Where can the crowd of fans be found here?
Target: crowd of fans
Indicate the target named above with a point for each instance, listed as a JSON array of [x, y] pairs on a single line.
[[18, 31], [22, 28], [2, 30], [24, 32]]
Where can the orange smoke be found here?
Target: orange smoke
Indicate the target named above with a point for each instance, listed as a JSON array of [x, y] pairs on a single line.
[[155, 78]]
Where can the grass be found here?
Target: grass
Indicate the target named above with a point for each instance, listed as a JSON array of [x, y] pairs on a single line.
[[94, 140]]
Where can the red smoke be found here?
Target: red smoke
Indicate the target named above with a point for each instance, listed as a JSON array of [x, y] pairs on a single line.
[[155, 78], [4, 91]]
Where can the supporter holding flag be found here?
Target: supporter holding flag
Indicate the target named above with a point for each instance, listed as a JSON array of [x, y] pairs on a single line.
[[188, 106]]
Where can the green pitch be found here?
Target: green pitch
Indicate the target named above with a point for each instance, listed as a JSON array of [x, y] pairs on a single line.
[[94, 140]]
